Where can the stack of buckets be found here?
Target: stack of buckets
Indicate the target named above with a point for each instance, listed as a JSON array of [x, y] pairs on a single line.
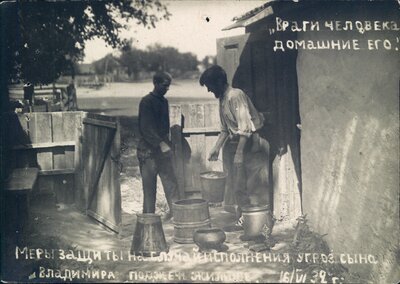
[[193, 214]]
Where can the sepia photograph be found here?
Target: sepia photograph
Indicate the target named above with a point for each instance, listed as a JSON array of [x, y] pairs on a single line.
[[188, 141]]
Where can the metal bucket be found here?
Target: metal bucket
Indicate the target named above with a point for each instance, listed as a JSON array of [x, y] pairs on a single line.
[[149, 238], [256, 219], [213, 186]]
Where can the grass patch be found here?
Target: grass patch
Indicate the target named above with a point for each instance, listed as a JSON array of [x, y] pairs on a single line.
[[305, 241]]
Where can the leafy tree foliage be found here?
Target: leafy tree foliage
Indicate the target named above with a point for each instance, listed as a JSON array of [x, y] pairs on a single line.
[[157, 58], [208, 60], [47, 37], [135, 61]]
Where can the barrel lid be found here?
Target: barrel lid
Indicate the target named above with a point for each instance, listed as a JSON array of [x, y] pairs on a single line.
[[252, 208]]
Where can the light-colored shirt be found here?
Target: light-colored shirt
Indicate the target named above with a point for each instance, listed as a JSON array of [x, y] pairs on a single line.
[[237, 113]]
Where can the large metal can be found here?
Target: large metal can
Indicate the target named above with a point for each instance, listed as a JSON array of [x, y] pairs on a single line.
[[257, 220]]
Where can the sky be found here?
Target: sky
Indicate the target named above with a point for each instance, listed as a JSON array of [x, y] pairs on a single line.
[[187, 29]]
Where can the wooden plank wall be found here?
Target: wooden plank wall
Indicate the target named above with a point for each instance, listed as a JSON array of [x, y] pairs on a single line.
[[194, 131], [51, 143], [176, 123]]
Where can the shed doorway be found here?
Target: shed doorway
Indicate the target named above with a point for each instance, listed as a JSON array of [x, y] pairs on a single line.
[[270, 79]]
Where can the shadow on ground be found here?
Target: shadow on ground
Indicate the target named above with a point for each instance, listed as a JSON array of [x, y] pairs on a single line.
[[62, 244], [66, 232]]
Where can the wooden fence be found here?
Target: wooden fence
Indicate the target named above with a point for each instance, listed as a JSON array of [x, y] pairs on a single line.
[[77, 156], [50, 141], [194, 131]]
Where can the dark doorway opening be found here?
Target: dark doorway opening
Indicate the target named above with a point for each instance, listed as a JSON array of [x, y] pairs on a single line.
[[269, 78]]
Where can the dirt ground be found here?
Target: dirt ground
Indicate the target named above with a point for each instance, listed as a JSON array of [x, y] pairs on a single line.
[[62, 244], [67, 232]]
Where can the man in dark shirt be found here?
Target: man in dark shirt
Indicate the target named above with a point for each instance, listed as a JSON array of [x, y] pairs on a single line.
[[154, 148]]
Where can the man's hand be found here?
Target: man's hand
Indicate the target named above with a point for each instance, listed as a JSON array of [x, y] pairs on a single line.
[[238, 158], [213, 156], [164, 147]]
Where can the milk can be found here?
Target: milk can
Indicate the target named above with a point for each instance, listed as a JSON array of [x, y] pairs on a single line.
[[257, 220]]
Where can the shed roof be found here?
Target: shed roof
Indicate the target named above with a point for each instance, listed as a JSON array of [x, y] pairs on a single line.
[[267, 9], [252, 16]]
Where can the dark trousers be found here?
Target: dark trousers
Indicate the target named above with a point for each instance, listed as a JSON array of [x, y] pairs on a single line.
[[249, 181], [152, 165]]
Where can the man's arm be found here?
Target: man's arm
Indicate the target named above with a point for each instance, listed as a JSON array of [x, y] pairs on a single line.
[[238, 105], [214, 153], [240, 108], [147, 125]]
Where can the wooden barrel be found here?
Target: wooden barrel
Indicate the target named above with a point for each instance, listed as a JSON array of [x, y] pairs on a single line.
[[189, 216]]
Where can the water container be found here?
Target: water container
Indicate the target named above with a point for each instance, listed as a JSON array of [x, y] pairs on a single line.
[[189, 216]]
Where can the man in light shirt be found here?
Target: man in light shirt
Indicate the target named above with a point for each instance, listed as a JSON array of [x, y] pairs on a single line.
[[245, 153]]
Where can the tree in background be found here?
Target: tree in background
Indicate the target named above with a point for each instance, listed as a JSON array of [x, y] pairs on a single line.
[[188, 62], [157, 58], [134, 60], [208, 60], [42, 40], [46, 38], [169, 59]]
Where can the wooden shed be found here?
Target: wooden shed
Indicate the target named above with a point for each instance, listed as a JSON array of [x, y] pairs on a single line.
[[270, 80], [327, 73]]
